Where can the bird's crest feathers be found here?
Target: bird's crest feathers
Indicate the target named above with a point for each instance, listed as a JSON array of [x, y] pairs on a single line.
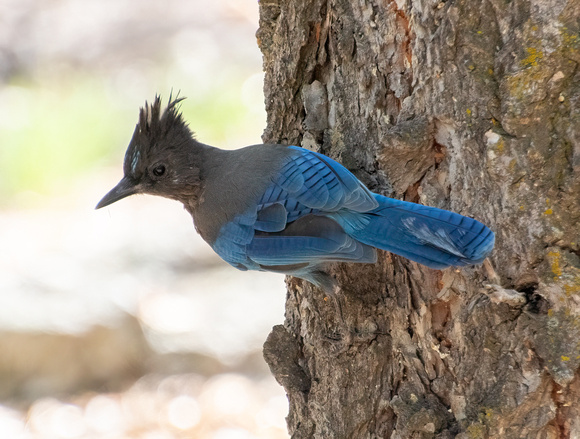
[[152, 118], [158, 132]]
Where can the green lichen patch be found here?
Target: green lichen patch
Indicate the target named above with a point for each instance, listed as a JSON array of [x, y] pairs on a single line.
[[558, 344], [534, 57]]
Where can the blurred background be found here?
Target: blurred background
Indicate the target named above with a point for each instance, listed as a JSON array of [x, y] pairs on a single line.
[[122, 323]]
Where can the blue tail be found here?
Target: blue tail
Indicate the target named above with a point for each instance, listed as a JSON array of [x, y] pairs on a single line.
[[433, 237]]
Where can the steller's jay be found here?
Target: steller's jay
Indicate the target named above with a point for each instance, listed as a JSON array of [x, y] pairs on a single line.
[[286, 209]]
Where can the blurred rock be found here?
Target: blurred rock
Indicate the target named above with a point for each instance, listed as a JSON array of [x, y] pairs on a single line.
[[33, 365]]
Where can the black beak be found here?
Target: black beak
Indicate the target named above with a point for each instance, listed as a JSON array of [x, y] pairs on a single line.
[[123, 189]]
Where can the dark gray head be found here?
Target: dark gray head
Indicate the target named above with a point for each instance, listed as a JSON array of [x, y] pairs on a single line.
[[162, 158]]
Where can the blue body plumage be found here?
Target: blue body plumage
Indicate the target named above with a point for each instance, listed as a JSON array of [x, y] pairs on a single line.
[[287, 209], [316, 211]]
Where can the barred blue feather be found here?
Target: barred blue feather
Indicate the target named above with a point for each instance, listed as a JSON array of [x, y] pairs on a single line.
[[315, 211]]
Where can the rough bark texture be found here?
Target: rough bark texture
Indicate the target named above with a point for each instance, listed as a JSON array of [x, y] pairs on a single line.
[[468, 105]]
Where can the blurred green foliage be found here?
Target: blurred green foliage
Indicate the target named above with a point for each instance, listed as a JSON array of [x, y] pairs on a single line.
[[50, 134]]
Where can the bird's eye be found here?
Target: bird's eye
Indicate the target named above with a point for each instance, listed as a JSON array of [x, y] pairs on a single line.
[[158, 171]]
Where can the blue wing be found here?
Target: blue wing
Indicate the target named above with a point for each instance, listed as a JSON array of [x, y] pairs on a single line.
[[318, 182], [314, 210], [307, 184]]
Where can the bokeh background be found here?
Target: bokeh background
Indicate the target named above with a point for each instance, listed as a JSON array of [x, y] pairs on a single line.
[[122, 323]]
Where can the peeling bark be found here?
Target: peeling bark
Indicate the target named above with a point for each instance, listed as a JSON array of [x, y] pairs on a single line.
[[467, 105]]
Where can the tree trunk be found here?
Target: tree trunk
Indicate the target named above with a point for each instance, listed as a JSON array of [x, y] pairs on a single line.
[[467, 105]]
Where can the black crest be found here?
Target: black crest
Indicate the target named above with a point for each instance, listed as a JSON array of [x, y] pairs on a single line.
[[158, 132], [153, 120]]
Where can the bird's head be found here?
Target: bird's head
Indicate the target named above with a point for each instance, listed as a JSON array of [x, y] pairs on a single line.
[[162, 157]]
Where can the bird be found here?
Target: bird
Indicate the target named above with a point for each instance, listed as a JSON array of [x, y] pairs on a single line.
[[283, 208]]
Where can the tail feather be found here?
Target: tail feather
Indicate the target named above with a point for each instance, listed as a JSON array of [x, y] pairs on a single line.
[[428, 235]]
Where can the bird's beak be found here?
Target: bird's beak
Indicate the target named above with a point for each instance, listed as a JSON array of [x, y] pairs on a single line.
[[123, 189]]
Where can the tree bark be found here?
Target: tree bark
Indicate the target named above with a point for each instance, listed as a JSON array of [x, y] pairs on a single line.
[[467, 105]]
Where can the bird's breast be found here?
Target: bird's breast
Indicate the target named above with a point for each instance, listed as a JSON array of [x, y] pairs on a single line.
[[233, 186]]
